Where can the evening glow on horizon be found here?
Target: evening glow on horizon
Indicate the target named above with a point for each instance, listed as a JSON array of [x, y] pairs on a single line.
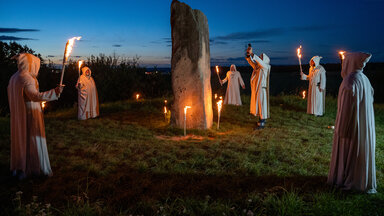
[[142, 28]]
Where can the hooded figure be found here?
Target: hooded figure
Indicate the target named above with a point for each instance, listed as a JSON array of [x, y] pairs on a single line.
[[29, 154], [353, 152], [316, 89], [259, 86], [232, 96], [88, 101]]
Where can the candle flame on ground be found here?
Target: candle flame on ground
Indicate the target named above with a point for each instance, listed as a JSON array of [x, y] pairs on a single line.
[[68, 48], [217, 69], [342, 54], [299, 51], [219, 105], [185, 109], [303, 94], [215, 96]]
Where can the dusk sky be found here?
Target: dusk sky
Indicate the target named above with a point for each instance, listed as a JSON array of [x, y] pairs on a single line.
[[142, 28]]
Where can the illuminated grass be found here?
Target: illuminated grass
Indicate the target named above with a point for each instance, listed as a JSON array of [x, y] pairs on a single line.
[[129, 161]]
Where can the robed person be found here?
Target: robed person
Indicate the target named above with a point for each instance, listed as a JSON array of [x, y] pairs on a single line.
[[88, 101], [232, 96], [259, 86], [29, 154], [353, 151], [316, 90]]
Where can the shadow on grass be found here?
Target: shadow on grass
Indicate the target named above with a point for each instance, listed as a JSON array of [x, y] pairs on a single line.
[[125, 187]]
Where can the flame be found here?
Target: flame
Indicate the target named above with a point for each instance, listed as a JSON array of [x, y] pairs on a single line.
[[68, 48], [217, 69], [80, 63], [165, 101], [342, 54], [43, 104], [137, 96], [303, 94], [165, 110], [185, 109], [219, 105], [215, 96], [221, 97], [299, 52]]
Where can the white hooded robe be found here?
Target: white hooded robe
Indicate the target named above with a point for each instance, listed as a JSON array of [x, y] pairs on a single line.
[[353, 153], [260, 85], [232, 96], [28, 143], [316, 89], [88, 101]]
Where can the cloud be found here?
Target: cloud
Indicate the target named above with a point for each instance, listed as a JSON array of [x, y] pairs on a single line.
[[15, 30], [12, 38], [117, 45], [251, 34], [310, 28]]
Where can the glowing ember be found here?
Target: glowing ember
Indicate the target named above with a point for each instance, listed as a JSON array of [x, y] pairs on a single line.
[[299, 52], [303, 94], [342, 55], [68, 48]]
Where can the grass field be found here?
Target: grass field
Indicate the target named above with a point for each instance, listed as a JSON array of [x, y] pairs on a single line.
[[130, 162]]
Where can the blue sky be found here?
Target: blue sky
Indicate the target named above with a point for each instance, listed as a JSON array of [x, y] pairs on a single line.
[[129, 28]]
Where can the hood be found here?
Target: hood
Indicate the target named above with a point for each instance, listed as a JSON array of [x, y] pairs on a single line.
[[28, 63], [84, 69], [316, 60], [233, 68], [266, 59], [354, 62]]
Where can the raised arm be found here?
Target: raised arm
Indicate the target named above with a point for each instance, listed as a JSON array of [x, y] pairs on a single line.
[[34, 95], [224, 80]]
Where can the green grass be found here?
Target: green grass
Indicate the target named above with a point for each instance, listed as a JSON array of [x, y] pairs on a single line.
[[129, 161]]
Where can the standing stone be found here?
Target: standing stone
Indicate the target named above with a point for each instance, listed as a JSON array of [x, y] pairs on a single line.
[[191, 74]]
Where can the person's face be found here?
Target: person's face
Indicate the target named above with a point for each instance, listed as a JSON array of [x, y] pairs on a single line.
[[87, 73], [312, 63]]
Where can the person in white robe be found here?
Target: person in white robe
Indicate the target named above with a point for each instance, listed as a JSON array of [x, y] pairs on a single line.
[[232, 96], [259, 86], [29, 154], [353, 152], [88, 101], [316, 89]]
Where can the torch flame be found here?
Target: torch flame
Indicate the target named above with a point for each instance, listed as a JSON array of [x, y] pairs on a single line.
[[303, 94], [215, 96], [165, 101], [299, 51], [165, 110], [342, 54], [43, 104], [80, 63], [217, 69], [137, 96], [68, 48], [221, 97], [185, 109]]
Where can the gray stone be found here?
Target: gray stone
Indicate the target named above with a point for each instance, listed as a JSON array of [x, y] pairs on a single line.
[[191, 74]]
